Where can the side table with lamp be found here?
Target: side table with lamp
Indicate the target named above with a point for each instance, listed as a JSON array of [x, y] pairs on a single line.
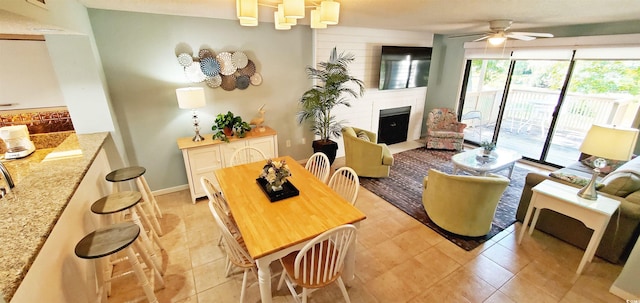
[[585, 205]]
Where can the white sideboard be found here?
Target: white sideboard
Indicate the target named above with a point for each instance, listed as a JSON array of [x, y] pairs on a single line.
[[204, 157]]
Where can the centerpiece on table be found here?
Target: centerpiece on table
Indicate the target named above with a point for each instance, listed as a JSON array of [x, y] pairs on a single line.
[[276, 173], [273, 181]]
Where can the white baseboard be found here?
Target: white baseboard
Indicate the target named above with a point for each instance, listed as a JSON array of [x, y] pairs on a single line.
[[623, 294], [170, 190]]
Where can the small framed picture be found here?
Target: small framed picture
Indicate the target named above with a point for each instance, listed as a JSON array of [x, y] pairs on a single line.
[[40, 3]]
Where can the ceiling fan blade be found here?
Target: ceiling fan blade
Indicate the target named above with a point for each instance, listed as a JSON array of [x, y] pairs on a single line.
[[520, 37], [465, 35], [541, 35], [482, 38]]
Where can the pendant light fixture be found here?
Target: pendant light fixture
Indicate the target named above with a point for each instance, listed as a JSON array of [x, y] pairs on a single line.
[[288, 12]]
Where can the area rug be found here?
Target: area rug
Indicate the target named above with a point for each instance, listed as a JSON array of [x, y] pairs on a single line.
[[403, 189]]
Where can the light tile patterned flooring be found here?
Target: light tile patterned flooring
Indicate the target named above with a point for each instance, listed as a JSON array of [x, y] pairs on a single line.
[[398, 260]]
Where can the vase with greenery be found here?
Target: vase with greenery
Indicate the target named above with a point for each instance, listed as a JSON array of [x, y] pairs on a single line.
[[227, 125], [334, 86], [487, 147]]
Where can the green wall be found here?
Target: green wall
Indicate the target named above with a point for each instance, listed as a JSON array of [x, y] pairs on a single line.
[[138, 53]]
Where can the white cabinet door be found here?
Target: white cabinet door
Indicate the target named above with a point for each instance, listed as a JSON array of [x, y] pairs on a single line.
[[203, 161], [266, 145], [228, 149]]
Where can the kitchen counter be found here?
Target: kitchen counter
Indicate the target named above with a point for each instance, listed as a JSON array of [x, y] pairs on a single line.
[[29, 213]]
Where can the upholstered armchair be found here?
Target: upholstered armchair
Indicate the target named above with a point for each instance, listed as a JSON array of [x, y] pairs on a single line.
[[366, 157], [461, 204], [444, 131]]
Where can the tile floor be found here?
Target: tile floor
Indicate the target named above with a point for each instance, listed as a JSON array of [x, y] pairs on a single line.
[[398, 260]]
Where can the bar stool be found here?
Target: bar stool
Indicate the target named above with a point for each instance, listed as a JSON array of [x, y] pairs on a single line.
[[137, 173], [129, 200], [109, 240]]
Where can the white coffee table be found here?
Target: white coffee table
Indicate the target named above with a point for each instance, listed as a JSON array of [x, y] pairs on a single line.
[[473, 162], [595, 214]]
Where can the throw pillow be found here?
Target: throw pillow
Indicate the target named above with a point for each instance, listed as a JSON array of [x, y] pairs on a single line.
[[611, 164], [573, 179], [363, 136]]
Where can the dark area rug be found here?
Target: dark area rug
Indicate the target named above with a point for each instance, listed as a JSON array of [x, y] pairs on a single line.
[[403, 189]]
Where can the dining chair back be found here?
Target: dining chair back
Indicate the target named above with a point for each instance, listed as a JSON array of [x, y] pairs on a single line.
[[237, 253], [346, 183], [319, 263], [220, 204], [247, 154], [319, 166]]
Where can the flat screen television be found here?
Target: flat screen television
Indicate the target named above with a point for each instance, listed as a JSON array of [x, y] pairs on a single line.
[[404, 66]]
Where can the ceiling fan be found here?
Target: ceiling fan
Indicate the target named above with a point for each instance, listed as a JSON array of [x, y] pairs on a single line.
[[499, 33]]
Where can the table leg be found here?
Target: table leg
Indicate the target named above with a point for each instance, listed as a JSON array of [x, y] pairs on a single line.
[[511, 169], [532, 226], [527, 217], [455, 169], [264, 280], [348, 274]]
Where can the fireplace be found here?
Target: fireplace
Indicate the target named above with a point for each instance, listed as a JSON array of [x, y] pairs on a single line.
[[393, 125]]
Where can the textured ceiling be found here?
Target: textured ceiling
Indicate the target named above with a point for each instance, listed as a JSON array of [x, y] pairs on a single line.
[[437, 16]]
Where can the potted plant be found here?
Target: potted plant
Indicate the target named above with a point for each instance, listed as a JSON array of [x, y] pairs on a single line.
[[332, 88], [487, 147], [227, 125]]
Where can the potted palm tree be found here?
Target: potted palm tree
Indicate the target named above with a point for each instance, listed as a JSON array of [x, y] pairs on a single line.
[[333, 87]]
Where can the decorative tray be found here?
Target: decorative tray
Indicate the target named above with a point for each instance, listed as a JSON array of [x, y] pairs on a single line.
[[288, 190]]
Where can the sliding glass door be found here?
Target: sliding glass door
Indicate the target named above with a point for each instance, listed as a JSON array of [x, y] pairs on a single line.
[[543, 108]]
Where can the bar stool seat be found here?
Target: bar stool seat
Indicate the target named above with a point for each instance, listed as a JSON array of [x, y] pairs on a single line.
[[125, 174], [150, 205], [109, 240], [128, 200]]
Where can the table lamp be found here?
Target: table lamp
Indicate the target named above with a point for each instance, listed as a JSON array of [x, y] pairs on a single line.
[[192, 98], [608, 142]]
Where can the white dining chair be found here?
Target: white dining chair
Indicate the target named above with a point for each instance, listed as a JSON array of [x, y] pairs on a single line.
[[237, 253], [346, 183], [247, 154], [319, 263], [319, 165], [215, 196]]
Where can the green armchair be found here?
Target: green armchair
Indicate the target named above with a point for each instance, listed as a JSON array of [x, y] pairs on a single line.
[[366, 157], [463, 205]]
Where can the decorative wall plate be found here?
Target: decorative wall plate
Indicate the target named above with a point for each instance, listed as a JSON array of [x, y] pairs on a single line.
[[242, 82], [209, 66], [239, 59], [248, 70], [214, 81], [194, 73], [256, 79], [205, 53], [228, 82], [226, 64], [185, 59]]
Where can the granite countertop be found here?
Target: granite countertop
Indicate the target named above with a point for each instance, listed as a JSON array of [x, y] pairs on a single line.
[[42, 191]]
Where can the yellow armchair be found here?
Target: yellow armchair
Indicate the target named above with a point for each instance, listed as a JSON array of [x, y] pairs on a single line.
[[463, 205], [366, 157]]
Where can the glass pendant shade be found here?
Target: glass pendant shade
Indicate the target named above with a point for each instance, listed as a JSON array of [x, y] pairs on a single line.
[[284, 20], [247, 9], [497, 40], [277, 23], [315, 19], [293, 8], [329, 12], [248, 22]]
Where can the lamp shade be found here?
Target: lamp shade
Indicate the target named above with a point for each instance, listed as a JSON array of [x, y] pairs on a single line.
[[190, 97], [315, 19], [277, 24], [609, 142], [293, 8], [284, 20], [247, 9], [329, 12], [497, 39]]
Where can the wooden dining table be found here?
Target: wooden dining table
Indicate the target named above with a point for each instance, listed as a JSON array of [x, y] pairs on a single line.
[[272, 230]]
